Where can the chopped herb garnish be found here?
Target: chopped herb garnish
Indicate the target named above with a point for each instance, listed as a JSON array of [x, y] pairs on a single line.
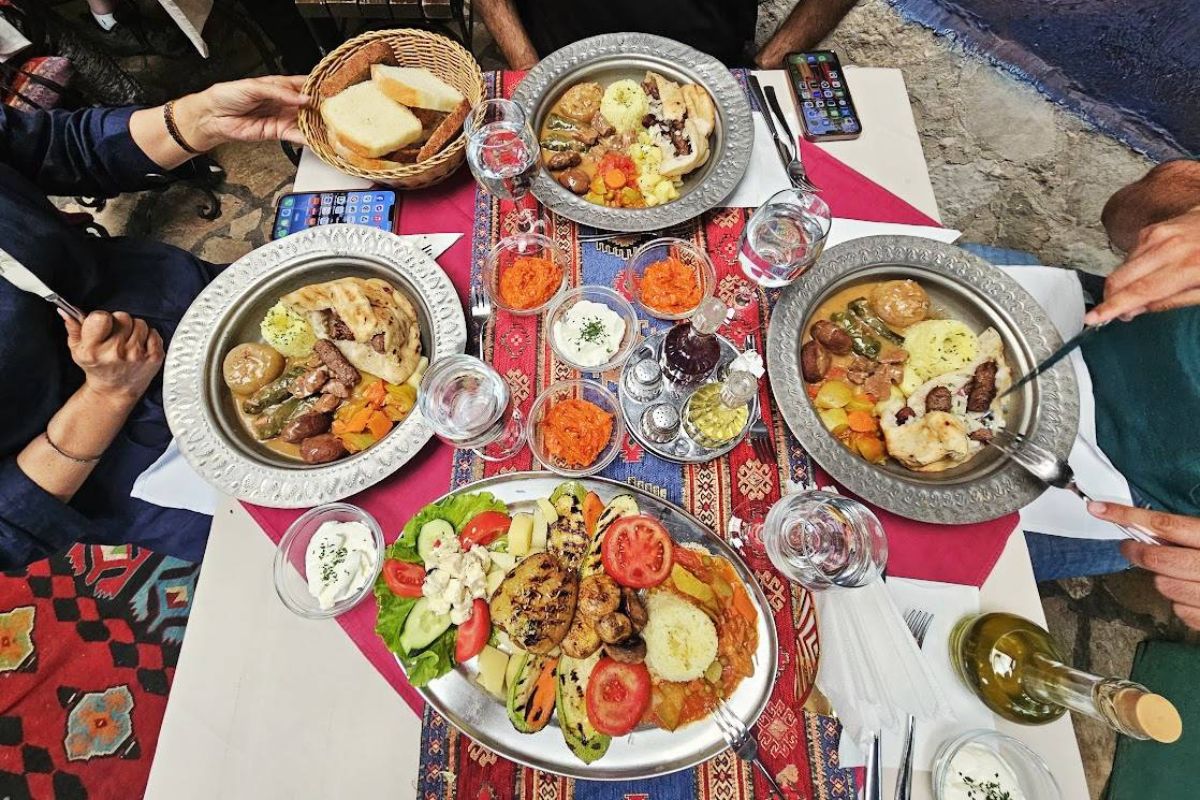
[[591, 331], [985, 790]]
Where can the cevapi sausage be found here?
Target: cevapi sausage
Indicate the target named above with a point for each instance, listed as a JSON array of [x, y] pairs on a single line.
[[305, 426], [322, 449], [834, 339], [938, 399], [814, 361], [342, 369], [904, 415], [982, 390]]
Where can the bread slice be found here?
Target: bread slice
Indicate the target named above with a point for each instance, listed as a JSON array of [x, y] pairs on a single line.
[[444, 133], [416, 87], [366, 121]]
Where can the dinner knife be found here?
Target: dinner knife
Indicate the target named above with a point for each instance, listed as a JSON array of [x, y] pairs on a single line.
[[1058, 355], [784, 152], [19, 276], [773, 102]]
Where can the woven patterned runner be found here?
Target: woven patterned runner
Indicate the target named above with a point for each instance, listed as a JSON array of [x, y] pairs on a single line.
[[799, 748]]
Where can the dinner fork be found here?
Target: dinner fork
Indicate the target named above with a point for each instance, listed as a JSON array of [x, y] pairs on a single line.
[[918, 623], [481, 312], [760, 437], [1052, 471], [796, 172], [737, 736]]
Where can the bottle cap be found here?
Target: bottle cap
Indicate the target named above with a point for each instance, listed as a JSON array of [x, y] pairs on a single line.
[[1153, 714], [709, 315]]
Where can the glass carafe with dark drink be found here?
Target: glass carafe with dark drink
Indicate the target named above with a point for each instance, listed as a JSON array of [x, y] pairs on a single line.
[[691, 350]]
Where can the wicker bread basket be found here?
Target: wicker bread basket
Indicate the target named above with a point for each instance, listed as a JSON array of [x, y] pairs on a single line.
[[351, 63]]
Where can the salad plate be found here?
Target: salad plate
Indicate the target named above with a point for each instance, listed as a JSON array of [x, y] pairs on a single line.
[[467, 695]]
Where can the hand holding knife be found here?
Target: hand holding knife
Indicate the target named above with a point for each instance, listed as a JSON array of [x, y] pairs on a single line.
[[19, 276]]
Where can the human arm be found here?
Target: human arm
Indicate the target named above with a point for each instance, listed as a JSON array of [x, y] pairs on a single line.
[[1157, 221], [809, 23], [105, 151], [501, 18], [1175, 563]]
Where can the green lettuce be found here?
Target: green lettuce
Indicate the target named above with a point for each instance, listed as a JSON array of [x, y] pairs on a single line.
[[438, 658]]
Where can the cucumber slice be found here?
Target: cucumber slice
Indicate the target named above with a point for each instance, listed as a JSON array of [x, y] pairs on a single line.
[[573, 488], [431, 532], [422, 626]]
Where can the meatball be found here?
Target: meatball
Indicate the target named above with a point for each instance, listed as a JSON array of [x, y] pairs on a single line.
[[900, 303]]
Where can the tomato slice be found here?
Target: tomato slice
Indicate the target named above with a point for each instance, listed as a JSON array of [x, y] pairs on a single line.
[[637, 552], [617, 696], [474, 633], [485, 528], [402, 578]]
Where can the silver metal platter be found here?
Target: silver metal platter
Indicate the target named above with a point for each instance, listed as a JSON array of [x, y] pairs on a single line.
[[614, 56], [200, 409], [647, 751], [967, 288], [681, 448]]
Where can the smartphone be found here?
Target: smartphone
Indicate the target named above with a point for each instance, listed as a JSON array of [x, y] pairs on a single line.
[[373, 207], [826, 108]]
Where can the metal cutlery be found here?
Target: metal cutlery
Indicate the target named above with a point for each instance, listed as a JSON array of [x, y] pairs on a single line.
[[1058, 355], [797, 174], [19, 276], [784, 149], [918, 623], [873, 781], [737, 736], [759, 435], [481, 312], [1052, 471]]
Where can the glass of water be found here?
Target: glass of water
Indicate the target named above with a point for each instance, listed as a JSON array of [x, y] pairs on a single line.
[[821, 539], [503, 153], [469, 406], [784, 237]]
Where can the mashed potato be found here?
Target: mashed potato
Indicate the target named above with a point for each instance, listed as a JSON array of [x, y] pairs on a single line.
[[287, 331], [655, 188], [936, 347], [624, 104], [681, 641]]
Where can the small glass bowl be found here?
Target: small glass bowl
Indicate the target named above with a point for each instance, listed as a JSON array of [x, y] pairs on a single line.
[[1033, 777], [581, 389], [508, 250], [658, 250], [604, 296], [292, 584]]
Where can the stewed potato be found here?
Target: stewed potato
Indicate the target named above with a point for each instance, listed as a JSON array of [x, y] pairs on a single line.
[[900, 303], [251, 366]]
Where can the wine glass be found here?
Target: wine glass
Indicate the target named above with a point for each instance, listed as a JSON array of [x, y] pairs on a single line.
[[503, 153], [469, 406], [783, 238]]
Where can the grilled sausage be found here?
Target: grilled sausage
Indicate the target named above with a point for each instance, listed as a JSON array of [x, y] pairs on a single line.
[[938, 399], [342, 369], [834, 339], [904, 415], [981, 435], [322, 449], [562, 160], [305, 426], [575, 180], [982, 390], [814, 361]]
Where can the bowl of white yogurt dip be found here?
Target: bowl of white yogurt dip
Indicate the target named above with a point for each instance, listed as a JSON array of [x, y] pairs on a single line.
[[328, 560], [985, 765], [592, 328]]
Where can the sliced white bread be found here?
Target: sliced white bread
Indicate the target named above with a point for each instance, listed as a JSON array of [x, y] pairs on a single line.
[[416, 87], [366, 121]]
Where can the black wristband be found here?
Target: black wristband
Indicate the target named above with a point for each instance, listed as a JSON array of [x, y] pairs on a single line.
[[173, 129]]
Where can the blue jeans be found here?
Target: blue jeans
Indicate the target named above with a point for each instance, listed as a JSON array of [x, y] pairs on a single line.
[[1056, 557]]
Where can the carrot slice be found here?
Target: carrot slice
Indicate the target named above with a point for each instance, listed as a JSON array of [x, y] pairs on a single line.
[[742, 604], [862, 421], [379, 424], [593, 507], [614, 178], [376, 394], [541, 704], [357, 422]]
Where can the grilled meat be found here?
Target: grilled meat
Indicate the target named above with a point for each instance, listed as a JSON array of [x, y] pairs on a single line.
[[982, 390], [339, 366]]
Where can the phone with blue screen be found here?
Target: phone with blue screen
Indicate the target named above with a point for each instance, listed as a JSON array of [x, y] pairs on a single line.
[[826, 108], [372, 207]]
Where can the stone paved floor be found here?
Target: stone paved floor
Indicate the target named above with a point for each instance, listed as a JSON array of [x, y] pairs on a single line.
[[1008, 167]]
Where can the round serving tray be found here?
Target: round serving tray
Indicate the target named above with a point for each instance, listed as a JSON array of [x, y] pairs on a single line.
[[200, 409], [647, 751], [682, 449], [965, 287], [615, 56]]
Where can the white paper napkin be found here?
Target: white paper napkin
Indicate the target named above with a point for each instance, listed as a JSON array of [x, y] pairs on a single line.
[[845, 230], [171, 482], [764, 176], [1058, 511]]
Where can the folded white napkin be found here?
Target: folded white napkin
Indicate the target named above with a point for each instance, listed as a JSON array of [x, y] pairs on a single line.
[[171, 482], [949, 603], [1058, 511]]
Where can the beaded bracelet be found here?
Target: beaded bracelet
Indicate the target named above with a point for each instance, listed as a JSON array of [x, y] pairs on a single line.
[[66, 455], [173, 128]]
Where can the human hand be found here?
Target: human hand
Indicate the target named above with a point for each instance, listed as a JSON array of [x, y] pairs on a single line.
[[1175, 563], [250, 110], [119, 355], [1162, 271]]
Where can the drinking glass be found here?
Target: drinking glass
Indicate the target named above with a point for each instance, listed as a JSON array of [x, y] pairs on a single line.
[[469, 406], [821, 539], [503, 153], [783, 238]]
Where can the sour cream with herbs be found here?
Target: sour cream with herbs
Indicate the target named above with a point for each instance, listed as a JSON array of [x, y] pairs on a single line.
[[455, 578], [976, 773], [589, 334], [339, 562]]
